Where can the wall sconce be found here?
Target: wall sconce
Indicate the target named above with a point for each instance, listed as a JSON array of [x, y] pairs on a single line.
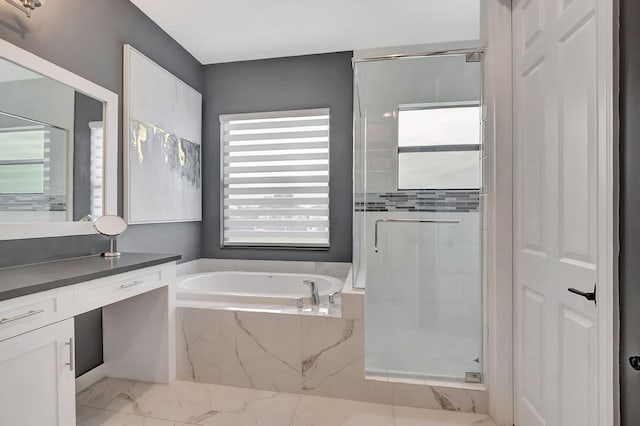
[[25, 6]]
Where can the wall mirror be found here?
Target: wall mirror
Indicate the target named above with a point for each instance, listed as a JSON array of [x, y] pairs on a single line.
[[58, 148]]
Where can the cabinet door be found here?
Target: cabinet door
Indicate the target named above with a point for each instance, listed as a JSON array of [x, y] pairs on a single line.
[[37, 381]]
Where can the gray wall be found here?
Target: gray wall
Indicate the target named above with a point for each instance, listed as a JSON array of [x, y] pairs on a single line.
[[629, 266], [299, 82], [86, 37]]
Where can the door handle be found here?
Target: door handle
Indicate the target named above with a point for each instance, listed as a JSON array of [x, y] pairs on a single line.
[[71, 350], [586, 295]]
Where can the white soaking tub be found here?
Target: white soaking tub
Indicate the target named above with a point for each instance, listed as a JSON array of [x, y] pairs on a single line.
[[238, 290]]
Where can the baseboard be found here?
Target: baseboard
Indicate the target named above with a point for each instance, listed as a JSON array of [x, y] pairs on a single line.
[[91, 377]]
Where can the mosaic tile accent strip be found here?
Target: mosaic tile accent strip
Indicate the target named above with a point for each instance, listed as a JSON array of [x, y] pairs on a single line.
[[419, 201], [33, 203]]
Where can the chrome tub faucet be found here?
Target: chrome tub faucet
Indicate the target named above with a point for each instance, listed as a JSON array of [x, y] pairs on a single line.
[[315, 295]]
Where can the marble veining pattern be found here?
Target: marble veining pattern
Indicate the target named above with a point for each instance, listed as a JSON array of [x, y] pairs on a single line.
[[316, 356], [310, 361], [261, 354], [116, 402]]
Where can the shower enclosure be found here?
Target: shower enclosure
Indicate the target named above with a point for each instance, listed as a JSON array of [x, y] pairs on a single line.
[[417, 215]]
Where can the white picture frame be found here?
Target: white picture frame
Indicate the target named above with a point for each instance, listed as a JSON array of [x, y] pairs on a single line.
[[162, 144]]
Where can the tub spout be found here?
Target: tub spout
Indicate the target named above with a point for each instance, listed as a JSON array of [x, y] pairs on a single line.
[[313, 287]]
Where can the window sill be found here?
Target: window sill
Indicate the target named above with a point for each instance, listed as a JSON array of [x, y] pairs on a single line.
[[273, 247]]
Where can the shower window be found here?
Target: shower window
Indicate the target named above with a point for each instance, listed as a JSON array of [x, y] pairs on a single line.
[[275, 179], [438, 146]]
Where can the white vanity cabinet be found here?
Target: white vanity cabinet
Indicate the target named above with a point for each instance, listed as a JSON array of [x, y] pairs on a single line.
[[37, 366], [37, 377]]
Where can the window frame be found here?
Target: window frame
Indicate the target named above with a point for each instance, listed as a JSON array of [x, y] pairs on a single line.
[[437, 148], [225, 118]]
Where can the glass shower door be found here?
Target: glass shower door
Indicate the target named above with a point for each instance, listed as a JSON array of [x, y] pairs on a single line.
[[417, 219]]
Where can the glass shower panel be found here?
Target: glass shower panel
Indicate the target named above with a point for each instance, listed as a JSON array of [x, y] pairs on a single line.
[[417, 218]]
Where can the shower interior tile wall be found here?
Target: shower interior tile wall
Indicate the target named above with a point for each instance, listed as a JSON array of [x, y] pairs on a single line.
[[433, 200]]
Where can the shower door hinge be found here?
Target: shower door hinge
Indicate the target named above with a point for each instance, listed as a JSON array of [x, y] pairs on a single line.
[[474, 57], [473, 377]]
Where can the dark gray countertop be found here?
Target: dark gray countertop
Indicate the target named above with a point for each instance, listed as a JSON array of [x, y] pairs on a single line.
[[28, 279]]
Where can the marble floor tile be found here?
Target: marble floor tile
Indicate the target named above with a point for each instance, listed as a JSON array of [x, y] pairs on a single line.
[[115, 402], [409, 416], [227, 406], [93, 417], [176, 402], [319, 411], [440, 398], [107, 393]]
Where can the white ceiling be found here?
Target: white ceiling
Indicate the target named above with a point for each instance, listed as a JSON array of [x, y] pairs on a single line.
[[236, 30]]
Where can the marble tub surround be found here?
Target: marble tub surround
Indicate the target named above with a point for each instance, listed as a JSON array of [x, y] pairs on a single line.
[[232, 348], [114, 402], [352, 301], [318, 356]]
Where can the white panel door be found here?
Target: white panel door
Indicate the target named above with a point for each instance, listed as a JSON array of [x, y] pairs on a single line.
[[556, 220], [37, 386]]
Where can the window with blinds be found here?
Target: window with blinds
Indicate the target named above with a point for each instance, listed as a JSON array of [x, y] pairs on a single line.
[[24, 160], [275, 179], [97, 164]]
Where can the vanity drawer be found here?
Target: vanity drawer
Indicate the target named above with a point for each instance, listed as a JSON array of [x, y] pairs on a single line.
[[102, 292], [26, 313]]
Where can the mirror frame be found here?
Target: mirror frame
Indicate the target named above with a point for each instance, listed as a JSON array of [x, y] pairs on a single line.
[[16, 231]]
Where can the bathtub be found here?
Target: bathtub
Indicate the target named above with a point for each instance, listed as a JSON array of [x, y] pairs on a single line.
[[244, 290]]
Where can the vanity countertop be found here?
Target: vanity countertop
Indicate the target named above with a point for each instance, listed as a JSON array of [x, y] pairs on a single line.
[[28, 279]]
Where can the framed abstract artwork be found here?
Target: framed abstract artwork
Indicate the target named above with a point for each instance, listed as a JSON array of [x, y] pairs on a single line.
[[162, 137]]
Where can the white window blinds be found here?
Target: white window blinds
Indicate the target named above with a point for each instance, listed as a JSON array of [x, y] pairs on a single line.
[[97, 163], [25, 160], [275, 183]]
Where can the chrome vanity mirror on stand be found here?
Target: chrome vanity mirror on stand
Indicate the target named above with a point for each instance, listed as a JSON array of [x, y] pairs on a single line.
[[58, 149], [111, 226]]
